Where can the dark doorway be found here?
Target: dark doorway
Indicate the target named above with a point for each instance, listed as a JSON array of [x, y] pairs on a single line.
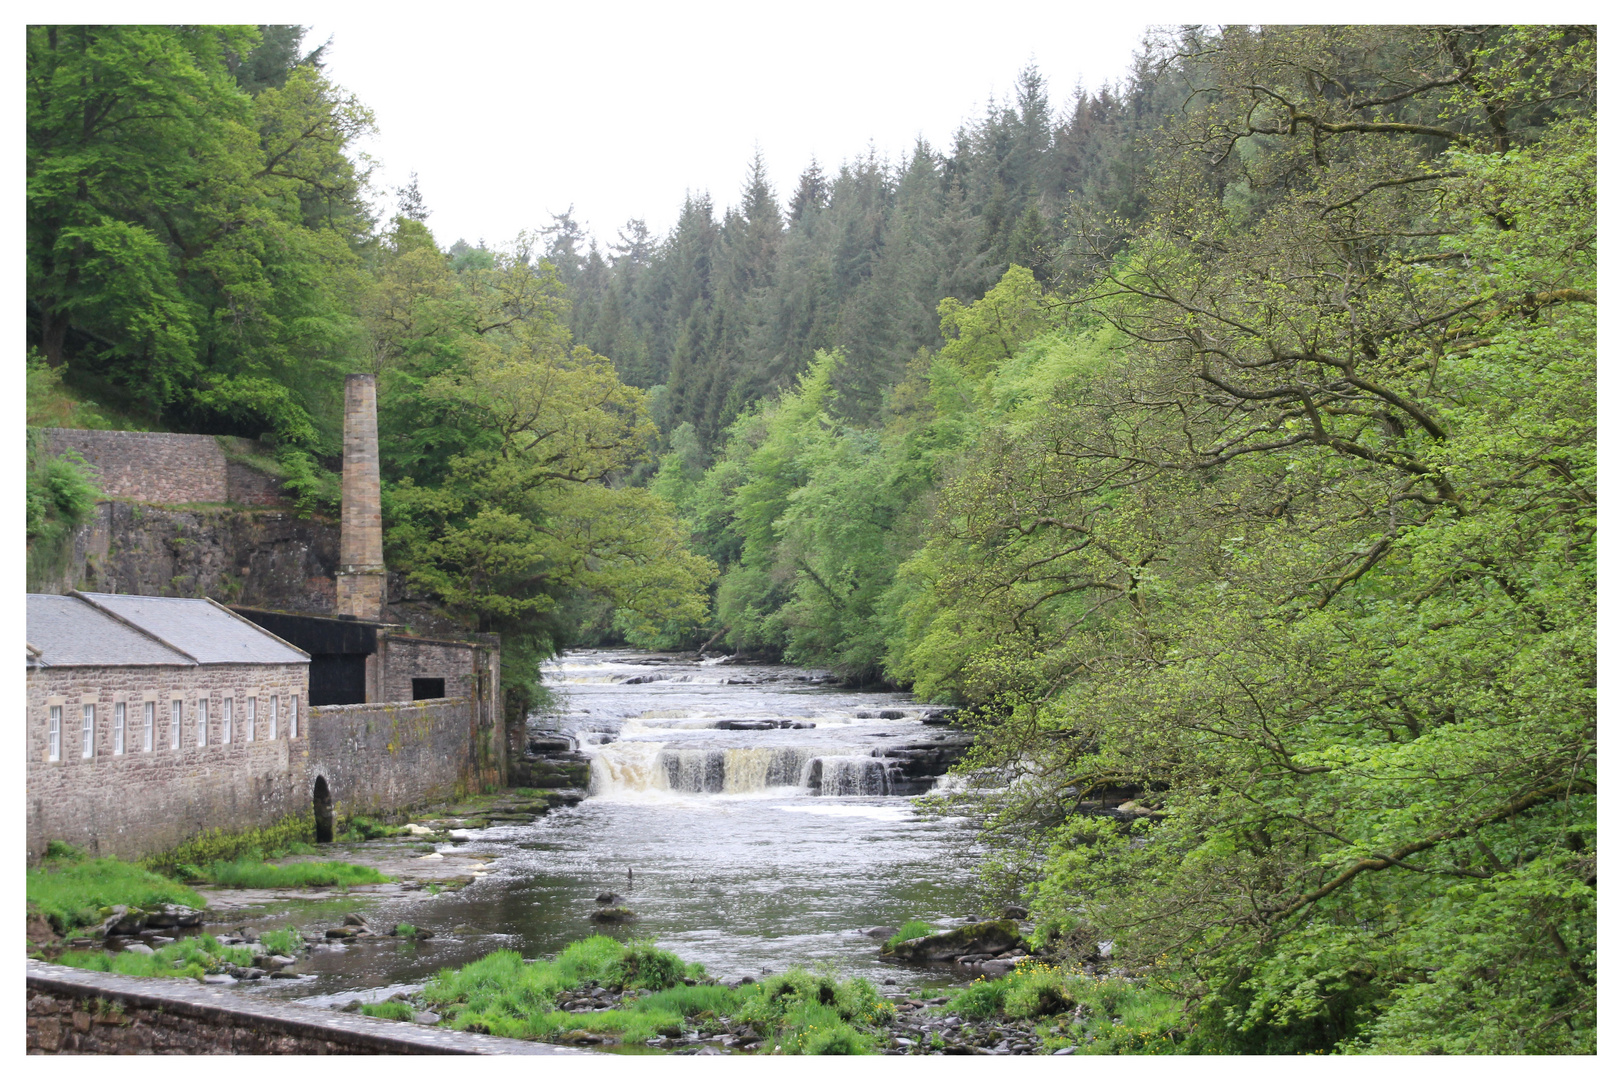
[[422, 689], [323, 811]]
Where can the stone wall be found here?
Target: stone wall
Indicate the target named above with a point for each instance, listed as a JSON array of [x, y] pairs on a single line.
[[407, 658], [140, 802], [162, 467], [70, 1011], [381, 758]]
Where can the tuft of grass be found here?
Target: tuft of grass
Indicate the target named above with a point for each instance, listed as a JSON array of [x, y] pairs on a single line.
[[1094, 1014], [817, 1013], [71, 890], [253, 874], [913, 928], [190, 957], [286, 942], [389, 1010]]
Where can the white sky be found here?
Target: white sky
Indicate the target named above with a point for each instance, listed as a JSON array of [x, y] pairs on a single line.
[[620, 109]]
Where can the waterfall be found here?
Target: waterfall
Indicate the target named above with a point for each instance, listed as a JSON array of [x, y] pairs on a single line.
[[637, 765], [849, 774], [627, 766]]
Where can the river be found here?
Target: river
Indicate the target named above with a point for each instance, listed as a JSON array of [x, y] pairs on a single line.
[[747, 813]]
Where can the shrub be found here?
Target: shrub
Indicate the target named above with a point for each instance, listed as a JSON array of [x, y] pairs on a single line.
[[292, 833], [286, 942], [1037, 990]]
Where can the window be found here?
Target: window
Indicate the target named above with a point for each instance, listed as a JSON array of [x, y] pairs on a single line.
[[177, 715], [292, 717], [148, 721], [202, 721], [225, 719], [252, 717], [118, 728], [89, 735], [273, 716], [424, 689], [55, 750]]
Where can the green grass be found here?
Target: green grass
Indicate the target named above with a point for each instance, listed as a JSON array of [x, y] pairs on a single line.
[[1071, 1008], [253, 874], [361, 827], [389, 1010], [70, 890], [405, 929], [817, 1013], [190, 957], [286, 942], [799, 1012], [913, 928]]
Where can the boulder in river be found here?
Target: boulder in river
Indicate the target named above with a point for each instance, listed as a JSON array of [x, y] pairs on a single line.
[[610, 898], [612, 915], [994, 936]]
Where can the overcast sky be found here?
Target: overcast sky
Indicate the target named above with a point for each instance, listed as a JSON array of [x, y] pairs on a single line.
[[510, 115]]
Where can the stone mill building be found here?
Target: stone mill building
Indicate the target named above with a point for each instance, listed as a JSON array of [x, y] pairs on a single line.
[[153, 718]]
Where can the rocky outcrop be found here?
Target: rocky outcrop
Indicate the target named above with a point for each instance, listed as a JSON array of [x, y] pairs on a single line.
[[549, 761], [979, 941], [914, 766]]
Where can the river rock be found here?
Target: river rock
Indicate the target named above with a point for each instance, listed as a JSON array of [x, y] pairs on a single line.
[[354, 919], [612, 915], [883, 933], [137, 947], [983, 937], [170, 915], [610, 898], [1015, 911]]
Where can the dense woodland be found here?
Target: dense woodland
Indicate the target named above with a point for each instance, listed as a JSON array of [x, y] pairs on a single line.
[[1227, 436]]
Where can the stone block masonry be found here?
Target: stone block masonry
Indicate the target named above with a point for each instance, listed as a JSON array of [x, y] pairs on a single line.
[[362, 585], [387, 757], [163, 467], [140, 801], [71, 1011]]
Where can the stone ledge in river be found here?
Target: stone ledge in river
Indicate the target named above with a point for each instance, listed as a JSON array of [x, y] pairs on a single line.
[[990, 937], [761, 725]]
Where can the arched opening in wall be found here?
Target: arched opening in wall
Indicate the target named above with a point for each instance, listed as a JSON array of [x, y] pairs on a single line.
[[323, 811]]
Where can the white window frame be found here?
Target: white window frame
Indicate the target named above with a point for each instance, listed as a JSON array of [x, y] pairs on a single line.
[[292, 716], [87, 734], [252, 719], [274, 701], [202, 721], [53, 749], [148, 724], [119, 715], [177, 720], [226, 719]]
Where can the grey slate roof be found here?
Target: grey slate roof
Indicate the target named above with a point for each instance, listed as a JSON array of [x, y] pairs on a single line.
[[117, 629]]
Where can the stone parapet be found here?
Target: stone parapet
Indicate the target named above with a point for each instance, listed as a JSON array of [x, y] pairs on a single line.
[[72, 1011]]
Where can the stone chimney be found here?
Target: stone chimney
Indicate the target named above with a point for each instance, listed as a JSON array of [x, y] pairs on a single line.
[[362, 583]]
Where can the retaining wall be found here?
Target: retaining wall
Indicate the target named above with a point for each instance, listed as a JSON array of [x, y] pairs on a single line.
[[384, 757], [71, 1011], [163, 467]]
